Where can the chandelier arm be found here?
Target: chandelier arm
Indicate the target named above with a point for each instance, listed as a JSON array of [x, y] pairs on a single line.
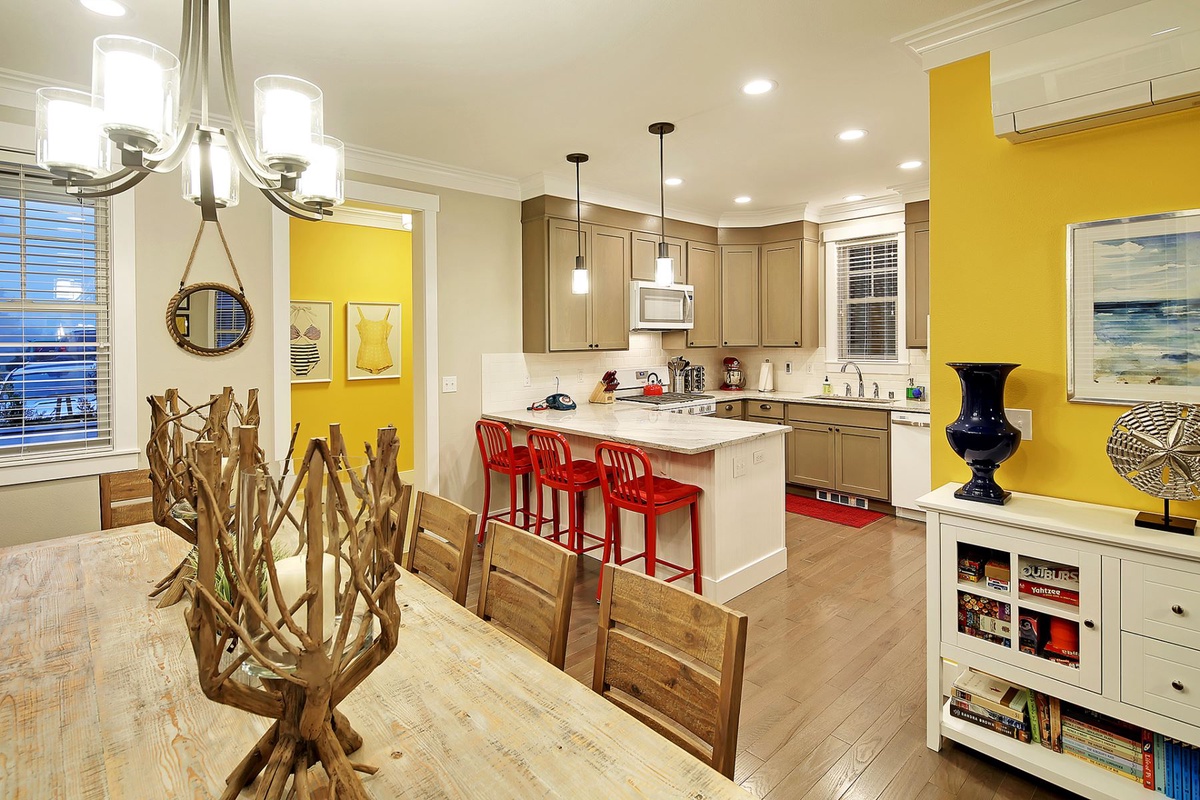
[[241, 139], [248, 168], [100, 181], [177, 153], [133, 179], [292, 208]]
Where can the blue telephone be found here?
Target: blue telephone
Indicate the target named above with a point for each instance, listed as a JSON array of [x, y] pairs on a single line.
[[555, 402]]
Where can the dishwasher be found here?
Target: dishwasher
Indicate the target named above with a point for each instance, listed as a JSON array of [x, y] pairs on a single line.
[[910, 462]]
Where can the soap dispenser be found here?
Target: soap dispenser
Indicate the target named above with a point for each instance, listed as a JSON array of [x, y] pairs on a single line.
[[827, 387]]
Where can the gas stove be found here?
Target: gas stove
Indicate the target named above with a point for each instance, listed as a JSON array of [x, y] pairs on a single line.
[[676, 402]]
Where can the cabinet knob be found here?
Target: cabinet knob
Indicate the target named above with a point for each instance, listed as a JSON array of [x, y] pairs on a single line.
[[1087, 623], [796, 343], [1177, 609], [725, 343], [1177, 685]]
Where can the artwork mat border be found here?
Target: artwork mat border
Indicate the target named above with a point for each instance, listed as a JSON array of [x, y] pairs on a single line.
[[1081, 330], [328, 333], [397, 330]]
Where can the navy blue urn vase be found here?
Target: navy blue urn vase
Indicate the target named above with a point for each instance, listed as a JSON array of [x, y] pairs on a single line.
[[982, 436]]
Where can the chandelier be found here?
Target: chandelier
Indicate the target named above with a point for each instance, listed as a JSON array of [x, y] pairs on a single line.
[[141, 105]]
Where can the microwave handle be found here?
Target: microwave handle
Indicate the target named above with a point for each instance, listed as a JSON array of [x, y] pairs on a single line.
[[687, 309]]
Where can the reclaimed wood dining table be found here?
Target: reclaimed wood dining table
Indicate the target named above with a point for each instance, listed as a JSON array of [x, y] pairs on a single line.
[[99, 697]]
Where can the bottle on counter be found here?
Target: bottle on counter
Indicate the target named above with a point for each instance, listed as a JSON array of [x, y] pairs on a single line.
[[826, 387]]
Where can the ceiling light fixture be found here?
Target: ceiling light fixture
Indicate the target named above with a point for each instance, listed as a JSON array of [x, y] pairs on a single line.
[[742, 199], [107, 8], [911, 164], [664, 266], [1168, 30], [141, 102], [759, 86], [852, 135], [579, 275], [674, 181], [854, 198]]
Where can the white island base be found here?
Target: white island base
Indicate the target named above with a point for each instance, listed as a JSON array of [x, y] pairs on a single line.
[[740, 467]]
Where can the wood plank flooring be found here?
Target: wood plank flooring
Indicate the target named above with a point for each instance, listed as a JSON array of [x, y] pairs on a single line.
[[834, 698]]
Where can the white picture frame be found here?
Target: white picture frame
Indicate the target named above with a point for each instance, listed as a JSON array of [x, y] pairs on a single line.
[[310, 360], [379, 357]]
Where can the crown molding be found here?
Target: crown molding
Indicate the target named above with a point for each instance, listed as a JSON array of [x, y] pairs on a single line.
[[868, 207], [769, 216], [562, 186], [913, 192], [998, 23]]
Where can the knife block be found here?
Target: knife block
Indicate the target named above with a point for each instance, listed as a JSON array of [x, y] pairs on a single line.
[[599, 395]]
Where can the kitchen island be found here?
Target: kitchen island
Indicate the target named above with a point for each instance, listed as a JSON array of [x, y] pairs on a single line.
[[739, 465]]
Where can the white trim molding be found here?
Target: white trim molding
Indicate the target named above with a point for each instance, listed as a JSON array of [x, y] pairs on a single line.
[[767, 216], [860, 209], [555, 185]]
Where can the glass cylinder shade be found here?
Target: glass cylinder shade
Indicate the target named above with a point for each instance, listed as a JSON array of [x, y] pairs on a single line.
[[579, 277], [69, 141], [288, 122], [664, 271], [224, 173], [323, 183], [135, 87]]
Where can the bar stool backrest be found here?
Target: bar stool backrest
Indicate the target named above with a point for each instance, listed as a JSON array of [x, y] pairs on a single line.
[[551, 456], [626, 477], [495, 444]]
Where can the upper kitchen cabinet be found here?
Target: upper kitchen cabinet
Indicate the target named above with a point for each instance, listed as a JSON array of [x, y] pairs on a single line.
[[739, 295], [645, 251], [789, 278], [916, 273]]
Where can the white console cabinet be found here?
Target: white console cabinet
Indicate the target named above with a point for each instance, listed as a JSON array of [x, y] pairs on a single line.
[[1137, 621]]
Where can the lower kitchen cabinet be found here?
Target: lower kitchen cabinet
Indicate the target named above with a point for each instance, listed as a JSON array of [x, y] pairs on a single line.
[[862, 462], [812, 456], [841, 449], [735, 409]]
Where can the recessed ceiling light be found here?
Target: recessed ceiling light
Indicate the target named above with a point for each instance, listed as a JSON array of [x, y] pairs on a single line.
[[109, 8], [853, 198], [1168, 30], [674, 181], [852, 134], [759, 86], [911, 164], [742, 200]]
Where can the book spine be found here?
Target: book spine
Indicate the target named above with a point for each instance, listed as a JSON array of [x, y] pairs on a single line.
[[987, 712], [1122, 765], [1169, 769], [1177, 769], [1160, 764], [963, 694], [1043, 710], [1186, 770], [1071, 750], [1148, 760], [1055, 725], [1195, 772], [1045, 592], [1103, 724], [1118, 747], [1031, 708], [990, 724]]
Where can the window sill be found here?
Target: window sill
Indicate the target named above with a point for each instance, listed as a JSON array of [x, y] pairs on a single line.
[[870, 367], [69, 467]]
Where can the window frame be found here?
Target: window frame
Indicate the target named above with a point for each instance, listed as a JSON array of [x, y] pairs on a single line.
[[124, 452]]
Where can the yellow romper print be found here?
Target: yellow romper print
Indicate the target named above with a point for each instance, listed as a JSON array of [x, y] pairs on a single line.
[[373, 353]]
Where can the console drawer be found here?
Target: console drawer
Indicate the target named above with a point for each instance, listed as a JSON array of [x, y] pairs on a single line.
[[1161, 677], [1161, 603]]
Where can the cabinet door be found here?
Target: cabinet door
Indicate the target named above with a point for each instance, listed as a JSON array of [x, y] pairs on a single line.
[[569, 322], [812, 455], [916, 284], [862, 462], [645, 251], [609, 291], [703, 273], [782, 290], [739, 295]]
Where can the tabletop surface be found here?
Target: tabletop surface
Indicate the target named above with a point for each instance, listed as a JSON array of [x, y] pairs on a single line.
[[99, 697]]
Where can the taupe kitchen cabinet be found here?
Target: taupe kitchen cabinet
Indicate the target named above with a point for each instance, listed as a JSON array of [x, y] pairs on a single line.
[[555, 319], [842, 449], [916, 274], [789, 288], [734, 409], [704, 275], [739, 295], [645, 252]]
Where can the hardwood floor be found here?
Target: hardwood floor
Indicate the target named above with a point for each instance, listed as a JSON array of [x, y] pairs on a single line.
[[834, 699]]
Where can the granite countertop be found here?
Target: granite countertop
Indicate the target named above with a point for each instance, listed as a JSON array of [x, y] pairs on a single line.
[[660, 430], [901, 404]]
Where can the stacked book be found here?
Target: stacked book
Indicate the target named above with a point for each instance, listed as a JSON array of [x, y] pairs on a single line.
[[1106, 742], [987, 701], [1176, 768]]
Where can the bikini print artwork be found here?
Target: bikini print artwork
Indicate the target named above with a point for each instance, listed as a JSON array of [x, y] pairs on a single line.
[[372, 340], [310, 347]]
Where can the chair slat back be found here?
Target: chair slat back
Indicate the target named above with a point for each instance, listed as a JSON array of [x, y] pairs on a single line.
[[626, 476], [439, 547], [674, 660], [495, 443], [118, 491], [551, 457], [526, 588]]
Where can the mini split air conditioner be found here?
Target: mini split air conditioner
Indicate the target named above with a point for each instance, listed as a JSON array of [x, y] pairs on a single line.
[[1137, 62]]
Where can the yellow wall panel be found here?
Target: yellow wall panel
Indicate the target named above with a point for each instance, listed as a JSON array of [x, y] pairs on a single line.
[[999, 213], [357, 264]]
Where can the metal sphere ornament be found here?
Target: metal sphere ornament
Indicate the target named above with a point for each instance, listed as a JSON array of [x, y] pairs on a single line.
[[1156, 447]]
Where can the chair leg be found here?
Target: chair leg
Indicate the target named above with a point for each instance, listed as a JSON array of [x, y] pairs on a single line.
[[577, 522], [554, 512], [487, 502], [525, 501], [537, 520], [607, 551], [512, 500], [651, 528], [697, 583]]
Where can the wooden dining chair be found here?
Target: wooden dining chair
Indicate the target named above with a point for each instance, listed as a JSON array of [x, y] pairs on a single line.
[[526, 589], [673, 660], [125, 498], [440, 542]]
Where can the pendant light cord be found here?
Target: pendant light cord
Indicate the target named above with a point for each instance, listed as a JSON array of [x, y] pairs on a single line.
[[578, 216], [662, 198]]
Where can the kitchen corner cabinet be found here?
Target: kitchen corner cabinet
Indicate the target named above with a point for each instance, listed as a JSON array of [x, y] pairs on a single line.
[[789, 289], [841, 449], [554, 319], [916, 274], [645, 252], [739, 296]]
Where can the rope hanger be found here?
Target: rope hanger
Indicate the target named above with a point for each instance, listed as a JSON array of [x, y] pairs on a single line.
[[228, 254]]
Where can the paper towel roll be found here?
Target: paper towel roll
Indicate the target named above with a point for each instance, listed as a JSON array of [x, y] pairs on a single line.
[[766, 378]]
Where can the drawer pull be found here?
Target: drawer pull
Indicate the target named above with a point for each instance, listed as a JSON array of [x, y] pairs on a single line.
[[765, 406], [1087, 623], [1177, 609], [1177, 685]]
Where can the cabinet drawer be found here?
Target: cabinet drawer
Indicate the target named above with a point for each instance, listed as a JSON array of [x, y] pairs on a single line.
[[733, 410], [1161, 677], [764, 408], [837, 415], [1161, 603]]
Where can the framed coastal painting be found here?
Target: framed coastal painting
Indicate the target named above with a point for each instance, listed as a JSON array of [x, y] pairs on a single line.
[[310, 347], [1133, 309], [372, 341]]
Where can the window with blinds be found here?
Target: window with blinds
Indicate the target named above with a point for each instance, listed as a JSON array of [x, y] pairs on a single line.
[[55, 359], [867, 282], [229, 319]]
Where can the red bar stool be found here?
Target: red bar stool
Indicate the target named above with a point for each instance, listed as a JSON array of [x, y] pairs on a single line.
[[554, 469], [627, 482], [498, 454]]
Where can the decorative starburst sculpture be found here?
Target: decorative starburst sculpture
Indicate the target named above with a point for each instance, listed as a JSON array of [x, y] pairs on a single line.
[[1156, 447]]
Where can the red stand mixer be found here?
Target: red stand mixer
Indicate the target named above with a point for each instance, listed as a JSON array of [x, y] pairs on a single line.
[[734, 378]]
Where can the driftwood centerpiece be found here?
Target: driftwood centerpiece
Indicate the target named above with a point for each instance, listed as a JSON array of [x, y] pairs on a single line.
[[303, 660]]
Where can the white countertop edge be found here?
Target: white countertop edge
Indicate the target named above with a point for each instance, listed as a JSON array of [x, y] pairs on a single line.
[[908, 406]]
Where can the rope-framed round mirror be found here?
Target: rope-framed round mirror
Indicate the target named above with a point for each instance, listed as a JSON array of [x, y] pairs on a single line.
[[209, 319]]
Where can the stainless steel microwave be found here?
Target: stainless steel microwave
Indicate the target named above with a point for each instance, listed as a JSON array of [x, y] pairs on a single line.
[[661, 308]]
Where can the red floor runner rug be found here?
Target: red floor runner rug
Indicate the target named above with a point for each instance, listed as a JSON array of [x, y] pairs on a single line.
[[831, 512]]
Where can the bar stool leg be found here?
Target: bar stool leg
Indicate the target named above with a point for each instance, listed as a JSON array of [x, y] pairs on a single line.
[[651, 528], [577, 522], [487, 502], [537, 520], [607, 551], [697, 583], [512, 500], [525, 499], [555, 523]]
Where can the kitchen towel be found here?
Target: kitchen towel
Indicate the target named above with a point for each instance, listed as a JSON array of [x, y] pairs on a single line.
[[766, 377]]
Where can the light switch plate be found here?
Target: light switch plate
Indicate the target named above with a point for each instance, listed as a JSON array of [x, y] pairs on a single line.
[[1022, 419], [787, 368], [449, 384]]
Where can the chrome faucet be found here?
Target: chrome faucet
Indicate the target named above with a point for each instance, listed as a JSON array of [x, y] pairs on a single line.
[[848, 390], [862, 390]]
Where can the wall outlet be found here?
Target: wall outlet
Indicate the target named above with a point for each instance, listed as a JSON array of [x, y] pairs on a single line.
[[580, 375], [787, 368], [810, 368], [1022, 419], [739, 466], [449, 383], [528, 382], [759, 456], [641, 375]]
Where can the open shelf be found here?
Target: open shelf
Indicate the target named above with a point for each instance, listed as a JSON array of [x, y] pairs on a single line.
[[982, 590], [1050, 607]]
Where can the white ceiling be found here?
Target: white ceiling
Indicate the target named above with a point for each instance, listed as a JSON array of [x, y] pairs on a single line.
[[510, 88]]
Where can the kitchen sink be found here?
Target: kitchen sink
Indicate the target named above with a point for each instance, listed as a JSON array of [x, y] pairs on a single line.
[[883, 401]]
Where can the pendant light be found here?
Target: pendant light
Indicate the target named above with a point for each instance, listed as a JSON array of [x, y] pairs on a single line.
[[579, 275], [664, 266]]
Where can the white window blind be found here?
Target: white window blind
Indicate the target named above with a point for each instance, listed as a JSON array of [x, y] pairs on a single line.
[[229, 319], [55, 358], [867, 283]]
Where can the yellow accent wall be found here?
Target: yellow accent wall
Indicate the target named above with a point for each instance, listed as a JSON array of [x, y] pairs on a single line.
[[999, 213], [354, 263]]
